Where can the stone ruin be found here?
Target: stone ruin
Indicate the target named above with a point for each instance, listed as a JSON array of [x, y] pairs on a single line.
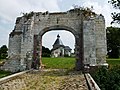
[[25, 41]]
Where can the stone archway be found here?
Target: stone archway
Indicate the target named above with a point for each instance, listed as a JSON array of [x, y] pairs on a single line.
[[78, 44], [87, 27]]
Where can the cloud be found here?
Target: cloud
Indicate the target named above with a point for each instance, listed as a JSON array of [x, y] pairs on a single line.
[[3, 36], [11, 9], [100, 8]]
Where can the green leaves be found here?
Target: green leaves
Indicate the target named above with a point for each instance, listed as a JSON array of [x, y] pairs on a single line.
[[113, 42], [108, 79], [115, 3], [3, 52], [115, 16], [45, 52]]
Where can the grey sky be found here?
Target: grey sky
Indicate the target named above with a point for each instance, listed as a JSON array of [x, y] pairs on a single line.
[[10, 9]]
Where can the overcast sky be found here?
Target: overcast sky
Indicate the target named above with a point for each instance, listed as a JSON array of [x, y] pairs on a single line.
[[11, 9]]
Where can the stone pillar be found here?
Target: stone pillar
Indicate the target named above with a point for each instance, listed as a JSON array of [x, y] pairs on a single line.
[[79, 52], [35, 52], [101, 47], [29, 60], [80, 46], [40, 54], [89, 42]]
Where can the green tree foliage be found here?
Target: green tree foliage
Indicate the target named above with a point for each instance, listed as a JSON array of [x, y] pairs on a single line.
[[45, 52], [108, 79], [3, 52], [115, 16], [113, 42]]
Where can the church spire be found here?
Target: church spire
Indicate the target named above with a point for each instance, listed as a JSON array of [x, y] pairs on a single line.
[[58, 41], [58, 36]]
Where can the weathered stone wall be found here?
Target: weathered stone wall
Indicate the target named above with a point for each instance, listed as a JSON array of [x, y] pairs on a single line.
[[14, 44], [101, 46], [41, 23], [22, 42], [89, 42]]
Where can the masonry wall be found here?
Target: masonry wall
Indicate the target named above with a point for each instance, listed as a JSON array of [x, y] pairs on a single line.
[[21, 41], [14, 45], [89, 42], [51, 19], [101, 46], [41, 23]]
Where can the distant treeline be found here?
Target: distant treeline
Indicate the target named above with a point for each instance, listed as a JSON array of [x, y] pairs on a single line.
[[3, 52]]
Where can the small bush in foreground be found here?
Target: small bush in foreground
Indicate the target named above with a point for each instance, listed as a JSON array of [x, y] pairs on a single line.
[[108, 79]]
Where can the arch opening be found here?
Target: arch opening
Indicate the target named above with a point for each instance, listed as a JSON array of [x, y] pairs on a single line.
[[61, 44], [78, 54]]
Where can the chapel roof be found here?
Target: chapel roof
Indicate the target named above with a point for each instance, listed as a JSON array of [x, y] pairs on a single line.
[[58, 41], [67, 48]]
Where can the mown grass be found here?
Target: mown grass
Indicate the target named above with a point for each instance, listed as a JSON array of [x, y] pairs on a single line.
[[113, 61], [59, 63], [62, 63], [69, 63]]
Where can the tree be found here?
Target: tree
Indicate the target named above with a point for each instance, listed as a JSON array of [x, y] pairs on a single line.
[[113, 42], [45, 52], [3, 52], [115, 16]]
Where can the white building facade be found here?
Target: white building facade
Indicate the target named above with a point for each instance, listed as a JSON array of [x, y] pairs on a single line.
[[59, 50]]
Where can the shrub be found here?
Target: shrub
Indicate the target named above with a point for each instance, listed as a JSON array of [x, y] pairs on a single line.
[[108, 79]]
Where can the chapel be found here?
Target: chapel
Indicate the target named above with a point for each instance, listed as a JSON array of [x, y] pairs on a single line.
[[60, 50]]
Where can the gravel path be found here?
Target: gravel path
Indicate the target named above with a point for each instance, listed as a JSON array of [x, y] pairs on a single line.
[[54, 79], [47, 79]]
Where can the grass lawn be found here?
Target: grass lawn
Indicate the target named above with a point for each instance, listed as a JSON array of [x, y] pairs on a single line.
[[63, 63], [69, 63], [113, 61]]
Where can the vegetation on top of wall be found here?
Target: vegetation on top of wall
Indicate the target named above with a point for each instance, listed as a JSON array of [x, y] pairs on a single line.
[[85, 11], [18, 20], [28, 15]]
